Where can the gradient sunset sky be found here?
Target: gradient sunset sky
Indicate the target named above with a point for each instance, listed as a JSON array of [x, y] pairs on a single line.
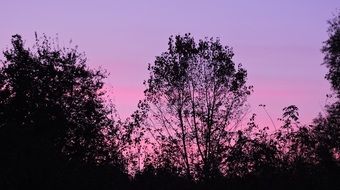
[[278, 42]]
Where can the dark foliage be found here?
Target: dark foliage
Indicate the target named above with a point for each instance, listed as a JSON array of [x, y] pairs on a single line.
[[331, 49], [195, 95], [52, 118]]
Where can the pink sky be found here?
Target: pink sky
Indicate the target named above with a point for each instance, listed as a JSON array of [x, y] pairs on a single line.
[[277, 42]]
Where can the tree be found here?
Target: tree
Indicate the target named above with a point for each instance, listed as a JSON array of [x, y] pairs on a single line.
[[52, 115], [327, 129], [331, 49], [195, 97]]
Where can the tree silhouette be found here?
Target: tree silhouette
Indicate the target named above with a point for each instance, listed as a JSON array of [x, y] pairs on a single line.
[[330, 126], [195, 95], [327, 128], [331, 49], [52, 116]]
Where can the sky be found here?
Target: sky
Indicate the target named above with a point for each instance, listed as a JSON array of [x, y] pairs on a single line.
[[278, 42]]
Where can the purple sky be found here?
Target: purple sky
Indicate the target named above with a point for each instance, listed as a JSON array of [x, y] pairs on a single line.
[[278, 43]]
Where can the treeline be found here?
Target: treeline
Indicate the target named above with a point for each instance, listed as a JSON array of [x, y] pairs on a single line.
[[59, 131]]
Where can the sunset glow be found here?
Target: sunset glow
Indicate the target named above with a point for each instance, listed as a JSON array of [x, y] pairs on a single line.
[[278, 43]]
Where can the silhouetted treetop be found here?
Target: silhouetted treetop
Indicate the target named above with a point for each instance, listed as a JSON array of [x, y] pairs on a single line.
[[331, 50], [196, 95], [51, 111], [327, 128]]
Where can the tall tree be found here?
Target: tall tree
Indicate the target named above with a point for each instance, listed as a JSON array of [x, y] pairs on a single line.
[[52, 114], [331, 50], [327, 129], [195, 96]]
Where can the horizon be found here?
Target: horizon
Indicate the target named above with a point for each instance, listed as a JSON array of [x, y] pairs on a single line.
[[279, 46]]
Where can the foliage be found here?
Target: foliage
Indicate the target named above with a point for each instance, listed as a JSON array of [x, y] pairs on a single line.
[[52, 114], [194, 95], [331, 50]]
